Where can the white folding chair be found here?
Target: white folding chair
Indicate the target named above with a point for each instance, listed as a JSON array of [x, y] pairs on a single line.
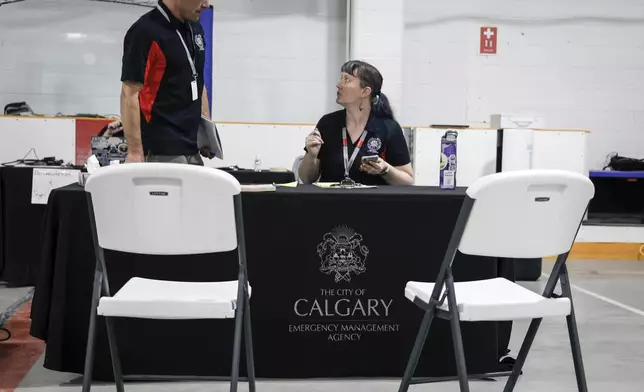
[[519, 214], [296, 168], [160, 200]]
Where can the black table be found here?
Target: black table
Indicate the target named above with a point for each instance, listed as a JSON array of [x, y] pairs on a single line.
[[370, 334], [21, 222], [619, 198], [247, 176]]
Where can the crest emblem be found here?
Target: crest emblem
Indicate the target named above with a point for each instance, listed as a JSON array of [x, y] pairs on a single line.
[[373, 145], [199, 42], [341, 253]]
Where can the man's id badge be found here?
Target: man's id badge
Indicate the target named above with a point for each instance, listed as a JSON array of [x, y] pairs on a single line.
[[193, 85]]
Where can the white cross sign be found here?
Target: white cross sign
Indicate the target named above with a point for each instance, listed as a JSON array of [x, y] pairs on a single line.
[[489, 37]]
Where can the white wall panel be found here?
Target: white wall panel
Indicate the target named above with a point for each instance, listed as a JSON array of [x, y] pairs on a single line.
[[51, 137], [477, 151], [476, 155], [277, 61], [277, 146], [563, 150]]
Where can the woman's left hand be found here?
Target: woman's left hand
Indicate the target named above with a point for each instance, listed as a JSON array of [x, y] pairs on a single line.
[[374, 167]]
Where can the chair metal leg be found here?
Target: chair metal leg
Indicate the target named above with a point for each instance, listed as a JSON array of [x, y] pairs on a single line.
[[523, 355], [91, 335], [239, 314], [417, 350], [457, 338], [573, 333], [116, 362], [534, 325], [248, 334]]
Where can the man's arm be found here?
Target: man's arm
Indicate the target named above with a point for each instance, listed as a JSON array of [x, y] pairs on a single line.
[[131, 117], [205, 105], [139, 53]]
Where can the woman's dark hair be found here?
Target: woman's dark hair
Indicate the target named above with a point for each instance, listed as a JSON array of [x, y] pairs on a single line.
[[370, 77]]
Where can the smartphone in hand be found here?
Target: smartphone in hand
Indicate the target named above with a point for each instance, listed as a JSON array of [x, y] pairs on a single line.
[[370, 158]]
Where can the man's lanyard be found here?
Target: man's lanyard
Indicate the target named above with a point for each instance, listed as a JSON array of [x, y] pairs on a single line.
[[192, 63], [345, 150]]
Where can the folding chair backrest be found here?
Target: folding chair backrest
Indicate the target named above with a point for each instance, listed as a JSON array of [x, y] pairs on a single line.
[[296, 167], [526, 214], [164, 208]]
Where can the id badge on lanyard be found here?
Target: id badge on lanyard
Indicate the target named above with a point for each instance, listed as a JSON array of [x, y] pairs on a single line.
[[195, 93], [193, 85], [345, 150]]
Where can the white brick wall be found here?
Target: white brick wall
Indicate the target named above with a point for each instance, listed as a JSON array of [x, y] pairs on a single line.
[[377, 29], [578, 63], [63, 55], [278, 60]]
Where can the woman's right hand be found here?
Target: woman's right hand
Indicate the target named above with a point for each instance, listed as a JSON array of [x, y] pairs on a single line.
[[314, 142]]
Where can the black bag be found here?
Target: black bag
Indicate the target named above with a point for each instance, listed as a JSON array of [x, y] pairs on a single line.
[[18, 109], [617, 163]]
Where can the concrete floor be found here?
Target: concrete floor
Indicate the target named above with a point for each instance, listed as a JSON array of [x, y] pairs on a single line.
[[12, 298], [609, 299]]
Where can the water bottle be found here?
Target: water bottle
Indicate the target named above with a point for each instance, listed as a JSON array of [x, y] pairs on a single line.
[[258, 163], [448, 160]]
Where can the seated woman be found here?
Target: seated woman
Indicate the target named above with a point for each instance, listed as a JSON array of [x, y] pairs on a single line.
[[364, 128]]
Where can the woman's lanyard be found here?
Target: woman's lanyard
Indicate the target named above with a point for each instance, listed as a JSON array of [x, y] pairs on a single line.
[[345, 150], [193, 84]]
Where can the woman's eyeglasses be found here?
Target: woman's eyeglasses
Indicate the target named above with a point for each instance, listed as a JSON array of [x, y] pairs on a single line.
[[345, 79]]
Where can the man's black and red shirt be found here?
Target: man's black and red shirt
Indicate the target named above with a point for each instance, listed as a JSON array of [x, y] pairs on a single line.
[[154, 56]]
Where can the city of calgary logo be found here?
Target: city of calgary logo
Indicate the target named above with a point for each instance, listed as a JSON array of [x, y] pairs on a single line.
[[341, 253]]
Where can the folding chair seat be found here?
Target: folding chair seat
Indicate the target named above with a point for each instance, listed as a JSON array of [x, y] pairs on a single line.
[[161, 200], [493, 300], [521, 215], [159, 299]]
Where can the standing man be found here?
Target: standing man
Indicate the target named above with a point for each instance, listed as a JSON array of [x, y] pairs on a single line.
[[163, 94]]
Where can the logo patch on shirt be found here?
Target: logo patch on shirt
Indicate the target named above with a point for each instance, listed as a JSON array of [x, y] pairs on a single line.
[[199, 42], [373, 145]]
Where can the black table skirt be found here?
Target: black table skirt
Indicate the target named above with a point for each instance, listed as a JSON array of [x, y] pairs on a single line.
[[21, 225], [21, 222], [1, 226], [405, 229]]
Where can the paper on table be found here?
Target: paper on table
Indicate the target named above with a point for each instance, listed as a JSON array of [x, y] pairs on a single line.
[[337, 185], [92, 164], [287, 185], [209, 137], [257, 187], [43, 181], [326, 184]]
